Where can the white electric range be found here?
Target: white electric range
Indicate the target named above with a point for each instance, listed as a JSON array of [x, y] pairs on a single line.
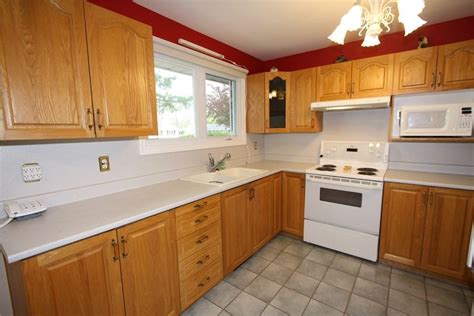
[[343, 198]]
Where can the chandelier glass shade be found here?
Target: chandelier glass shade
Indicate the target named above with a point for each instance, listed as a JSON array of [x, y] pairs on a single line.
[[377, 18]]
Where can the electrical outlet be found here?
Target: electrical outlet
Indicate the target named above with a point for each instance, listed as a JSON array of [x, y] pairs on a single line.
[[104, 163], [31, 172]]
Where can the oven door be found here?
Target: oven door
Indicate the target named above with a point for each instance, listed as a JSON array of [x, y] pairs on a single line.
[[353, 207]]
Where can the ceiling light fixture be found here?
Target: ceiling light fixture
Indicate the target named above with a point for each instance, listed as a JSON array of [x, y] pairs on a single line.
[[378, 17]]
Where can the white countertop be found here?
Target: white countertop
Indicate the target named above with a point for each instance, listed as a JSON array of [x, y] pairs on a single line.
[[443, 180], [65, 224]]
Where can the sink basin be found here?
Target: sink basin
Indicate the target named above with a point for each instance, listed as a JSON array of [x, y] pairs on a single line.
[[224, 177]]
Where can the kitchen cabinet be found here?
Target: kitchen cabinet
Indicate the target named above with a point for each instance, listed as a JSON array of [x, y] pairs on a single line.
[[277, 200], [256, 103], [333, 82], [455, 66], [372, 77], [47, 92], [427, 228], [132, 270], [303, 92], [277, 102], [260, 205], [293, 203]]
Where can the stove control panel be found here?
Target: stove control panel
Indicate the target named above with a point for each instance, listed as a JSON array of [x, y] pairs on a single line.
[[355, 151]]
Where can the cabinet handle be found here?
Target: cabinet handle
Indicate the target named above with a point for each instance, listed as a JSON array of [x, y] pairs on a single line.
[[302, 183], [202, 239], [423, 198], [116, 250], [90, 119], [202, 261], [353, 87], [433, 79], [100, 123], [124, 243], [251, 193], [348, 88], [430, 199], [200, 205], [204, 282], [312, 123], [439, 79], [201, 219]]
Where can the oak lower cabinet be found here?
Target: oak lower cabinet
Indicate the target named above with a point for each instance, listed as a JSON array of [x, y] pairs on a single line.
[[427, 228], [277, 200], [199, 248], [293, 203], [260, 205], [132, 270]]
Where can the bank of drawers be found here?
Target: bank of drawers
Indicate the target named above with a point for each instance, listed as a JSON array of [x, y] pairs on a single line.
[[198, 229]]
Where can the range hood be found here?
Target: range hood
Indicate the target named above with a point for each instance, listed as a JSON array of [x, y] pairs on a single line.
[[352, 104]]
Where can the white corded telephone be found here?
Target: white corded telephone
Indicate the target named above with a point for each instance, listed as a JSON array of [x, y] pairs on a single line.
[[22, 210]]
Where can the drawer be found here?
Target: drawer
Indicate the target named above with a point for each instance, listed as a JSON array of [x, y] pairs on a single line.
[[197, 218], [200, 260], [203, 204], [198, 240], [193, 288]]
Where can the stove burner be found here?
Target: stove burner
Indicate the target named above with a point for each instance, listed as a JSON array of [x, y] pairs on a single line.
[[367, 169], [329, 166], [325, 169], [367, 173]]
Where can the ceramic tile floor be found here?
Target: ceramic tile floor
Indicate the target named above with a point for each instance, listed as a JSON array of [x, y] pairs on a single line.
[[290, 277]]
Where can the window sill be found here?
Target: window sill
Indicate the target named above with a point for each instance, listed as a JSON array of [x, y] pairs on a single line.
[[151, 146]]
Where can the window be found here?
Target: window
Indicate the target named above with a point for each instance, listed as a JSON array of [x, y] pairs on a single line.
[[200, 101]]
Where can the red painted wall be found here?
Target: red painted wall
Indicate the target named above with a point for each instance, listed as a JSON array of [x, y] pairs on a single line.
[[438, 34], [171, 31]]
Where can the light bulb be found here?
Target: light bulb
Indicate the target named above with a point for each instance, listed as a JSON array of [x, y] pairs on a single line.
[[370, 40]]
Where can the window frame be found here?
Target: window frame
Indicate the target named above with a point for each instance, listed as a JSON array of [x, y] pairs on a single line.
[[202, 65]]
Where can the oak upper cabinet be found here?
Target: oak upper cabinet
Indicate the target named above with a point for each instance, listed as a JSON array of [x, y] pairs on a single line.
[[256, 103], [277, 102], [293, 203], [303, 92], [260, 205], [455, 66], [277, 202], [372, 77], [236, 234], [403, 218], [334, 82], [44, 73], [79, 279], [150, 266], [122, 74], [447, 231], [415, 71]]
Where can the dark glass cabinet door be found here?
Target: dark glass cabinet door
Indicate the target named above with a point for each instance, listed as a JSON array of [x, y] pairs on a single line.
[[277, 89]]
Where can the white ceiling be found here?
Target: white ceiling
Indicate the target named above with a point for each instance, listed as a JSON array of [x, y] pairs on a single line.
[[269, 29]]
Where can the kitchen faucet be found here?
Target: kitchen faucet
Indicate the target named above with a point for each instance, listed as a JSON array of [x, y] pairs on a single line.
[[220, 165]]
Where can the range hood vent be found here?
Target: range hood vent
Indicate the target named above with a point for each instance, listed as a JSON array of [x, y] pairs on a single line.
[[352, 104]]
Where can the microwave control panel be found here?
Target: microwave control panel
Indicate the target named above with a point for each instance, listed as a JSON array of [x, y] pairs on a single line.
[[465, 118]]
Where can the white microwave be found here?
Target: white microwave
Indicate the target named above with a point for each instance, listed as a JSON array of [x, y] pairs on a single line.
[[436, 120]]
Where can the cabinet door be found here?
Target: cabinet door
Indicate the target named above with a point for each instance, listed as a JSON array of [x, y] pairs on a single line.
[[79, 279], [150, 266], [372, 77], [415, 71], [236, 243], [447, 232], [455, 66], [293, 203], [403, 217], [260, 206], [303, 92], [122, 74], [44, 74], [334, 82], [277, 101], [277, 201], [256, 103]]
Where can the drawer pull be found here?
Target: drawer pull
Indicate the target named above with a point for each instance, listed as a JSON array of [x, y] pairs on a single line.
[[200, 205], [204, 282], [201, 219], [202, 239], [202, 261]]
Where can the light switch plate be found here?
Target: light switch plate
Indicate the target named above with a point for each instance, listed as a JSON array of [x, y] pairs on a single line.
[[104, 163], [31, 172]]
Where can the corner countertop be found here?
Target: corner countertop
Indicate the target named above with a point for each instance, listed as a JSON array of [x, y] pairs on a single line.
[[443, 180], [65, 224]]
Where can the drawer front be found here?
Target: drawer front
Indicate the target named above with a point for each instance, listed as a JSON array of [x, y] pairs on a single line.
[[198, 218], [200, 261], [207, 203], [193, 288], [198, 240]]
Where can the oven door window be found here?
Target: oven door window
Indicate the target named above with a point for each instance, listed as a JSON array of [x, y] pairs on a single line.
[[341, 197]]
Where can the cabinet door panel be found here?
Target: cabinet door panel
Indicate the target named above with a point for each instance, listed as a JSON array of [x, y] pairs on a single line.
[[447, 231], [277, 112], [372, 77], [261, 209], [293, 203], [403, 216], [236, 243], [256, 103], [456, 66], [415, 71], [44, 75], [122, 74], [334, 82], [78, 279], [150, 266], [303, 92]]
